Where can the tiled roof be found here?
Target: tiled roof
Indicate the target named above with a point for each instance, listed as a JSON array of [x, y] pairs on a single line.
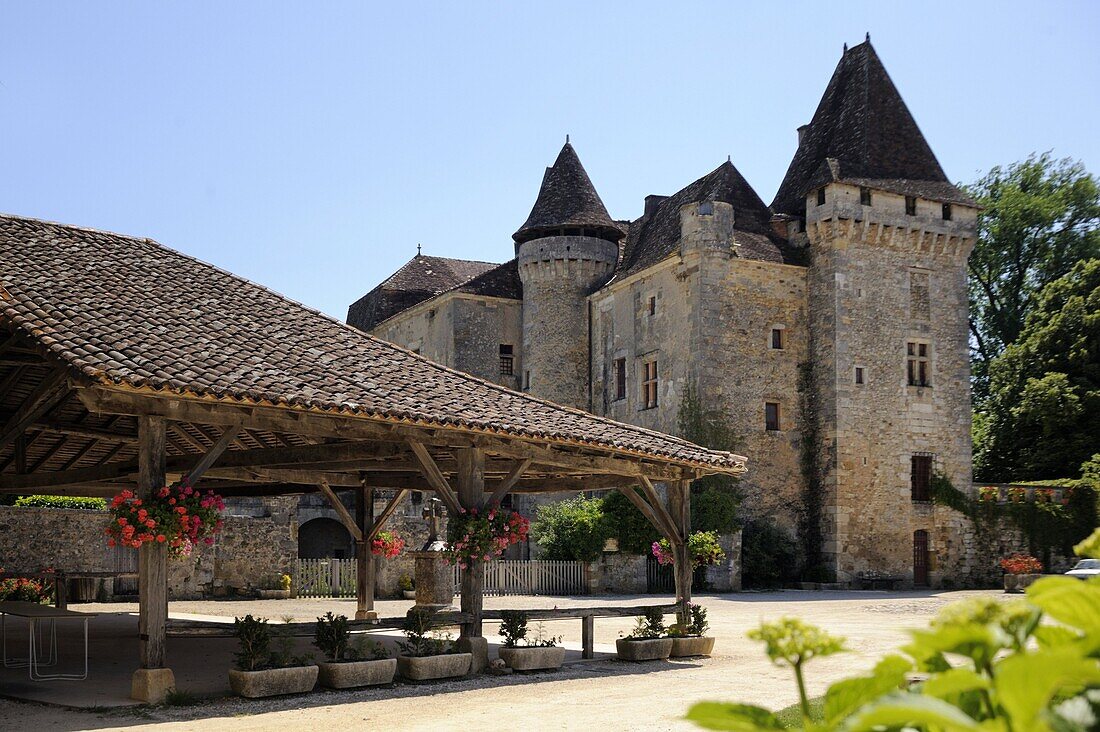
[[128, 311], [419, 279], [567, 198], [500, 281], [657, 236], [862, 133]]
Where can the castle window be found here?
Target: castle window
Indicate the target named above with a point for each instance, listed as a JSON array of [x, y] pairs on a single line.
[[865, 196], [507, 360], [652, 305], [917, 364], [910, 206], [649, 385], [859, 374], [777, 339], [620, 378], [771, 416], [706, 208], [947, 212], [820, 196], [920, 477], [527, 381]]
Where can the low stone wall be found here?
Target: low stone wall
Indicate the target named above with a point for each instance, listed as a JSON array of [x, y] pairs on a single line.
[[617, 573], [249, 553]]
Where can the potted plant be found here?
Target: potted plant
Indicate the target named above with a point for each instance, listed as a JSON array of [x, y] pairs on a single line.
[[349, 664], [692, 639], [262, 671], [405, 583], [386, 544], [647, 642], [177, 515], [479, 537], [428, 654], [523, 653], [1020, 571], [278, 588]]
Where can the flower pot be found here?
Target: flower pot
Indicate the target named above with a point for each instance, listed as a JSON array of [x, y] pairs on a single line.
[[272, 681], [532, 659], [425, 668], [1019, 582], [643, 649], [409, 594], [349, 674], [692, 645], [274, 594]]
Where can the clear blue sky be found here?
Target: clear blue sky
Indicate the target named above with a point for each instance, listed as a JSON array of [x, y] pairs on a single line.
[[310, 146]]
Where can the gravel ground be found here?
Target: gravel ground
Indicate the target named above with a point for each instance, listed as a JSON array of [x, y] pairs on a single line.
[[608, 695]]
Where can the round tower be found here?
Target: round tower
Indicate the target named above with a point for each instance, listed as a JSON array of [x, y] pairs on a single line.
[[566, 249]]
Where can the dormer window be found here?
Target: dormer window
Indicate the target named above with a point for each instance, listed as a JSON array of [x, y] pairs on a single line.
[[910, 206], [821, 196], [864, 196]]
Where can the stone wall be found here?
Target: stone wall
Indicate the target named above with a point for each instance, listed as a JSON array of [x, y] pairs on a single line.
[[249, 553]]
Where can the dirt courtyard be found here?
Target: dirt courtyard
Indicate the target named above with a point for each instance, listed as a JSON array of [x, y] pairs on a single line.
[[603, 694]]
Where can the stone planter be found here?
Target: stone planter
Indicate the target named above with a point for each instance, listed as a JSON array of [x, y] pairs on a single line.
[[409, 594], [426, 668], [274, 594], [692, 645], [532, 659], [1019, 582], [272, 681], [350, 674], [646, 649]]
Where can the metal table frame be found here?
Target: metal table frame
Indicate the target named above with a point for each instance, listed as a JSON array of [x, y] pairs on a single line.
[[34, 615]]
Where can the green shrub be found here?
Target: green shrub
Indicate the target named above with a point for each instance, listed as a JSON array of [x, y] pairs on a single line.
[[769, 556], [331, 637], [627, 524], [649, 625], [714, 507], [422, 637], [575, 529], [77, 502]]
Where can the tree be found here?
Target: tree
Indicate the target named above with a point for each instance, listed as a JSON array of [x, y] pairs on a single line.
[[1039, 217], [1042, 417], [571, 530]]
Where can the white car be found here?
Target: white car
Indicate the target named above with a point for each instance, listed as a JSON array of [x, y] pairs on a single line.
[[1085, 568]]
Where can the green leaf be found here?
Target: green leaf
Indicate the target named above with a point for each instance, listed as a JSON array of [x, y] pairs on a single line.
[[1053, 637], [847, 695], [973, 640], [1027, 682], [1069, 601], [911, 710], [736, 717], [952, 682]]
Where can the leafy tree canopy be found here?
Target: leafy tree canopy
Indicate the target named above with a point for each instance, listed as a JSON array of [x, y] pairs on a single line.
[[1039, 218]]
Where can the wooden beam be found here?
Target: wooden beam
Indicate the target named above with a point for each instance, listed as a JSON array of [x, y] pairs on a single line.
[[471, 487], [88, 446], [648, 512], [434, 476], [49, 392], [679, 504], [508, 483], [207, 460], [364, 566], [187, 437], [383, 517], [341, 511], [659, 508], [76, 430], [152, 556]]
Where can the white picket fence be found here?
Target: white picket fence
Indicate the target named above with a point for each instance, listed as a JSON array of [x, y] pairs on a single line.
[[531, 577], [336, 577], [326, 577]]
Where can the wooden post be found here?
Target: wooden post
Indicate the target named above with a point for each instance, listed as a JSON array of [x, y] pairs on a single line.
[[364, 578], [679, 506], [471, 488], [152, 681], [588, 636]]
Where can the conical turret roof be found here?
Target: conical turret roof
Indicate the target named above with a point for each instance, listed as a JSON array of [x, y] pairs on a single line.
[[862, 133], [567, 199]]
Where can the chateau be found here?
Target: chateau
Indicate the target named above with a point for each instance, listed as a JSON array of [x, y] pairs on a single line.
[[829, 327]]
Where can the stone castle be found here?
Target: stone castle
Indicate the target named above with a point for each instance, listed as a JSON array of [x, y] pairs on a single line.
[[829, 327]]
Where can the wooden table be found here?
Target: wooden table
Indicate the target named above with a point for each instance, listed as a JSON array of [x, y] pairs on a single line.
[[35, 614]]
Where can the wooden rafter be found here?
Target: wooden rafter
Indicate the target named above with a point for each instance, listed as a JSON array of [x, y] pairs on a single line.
[[45, 397]]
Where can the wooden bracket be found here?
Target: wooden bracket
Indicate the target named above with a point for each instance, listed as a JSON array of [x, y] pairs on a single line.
[[386, 513], [341, 511], [508, 483], [648, 512], [659, 509], [435, 476], [211, 456]]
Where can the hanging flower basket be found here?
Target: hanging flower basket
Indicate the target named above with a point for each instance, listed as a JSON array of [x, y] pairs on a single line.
[[177, 515], [387, 544], [480, 537], [703, 547]]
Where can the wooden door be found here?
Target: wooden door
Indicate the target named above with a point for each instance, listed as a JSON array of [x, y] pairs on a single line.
[[920, 558]]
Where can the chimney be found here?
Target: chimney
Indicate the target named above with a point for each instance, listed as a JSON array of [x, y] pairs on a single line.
[[651, 204], [802, 133]]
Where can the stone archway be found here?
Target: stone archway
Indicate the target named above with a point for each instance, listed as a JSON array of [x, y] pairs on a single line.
[[324, 538]]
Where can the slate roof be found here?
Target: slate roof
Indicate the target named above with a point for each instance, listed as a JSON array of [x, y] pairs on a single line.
[[500, 281], [120, 310], [419, 279], [567, 198], [862, 133], [655, 237]]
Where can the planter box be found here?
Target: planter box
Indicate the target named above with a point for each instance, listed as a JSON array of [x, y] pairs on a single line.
[[532, 659], [273, 681], [649, 649], [274, 594], [1019, 582], [349, 674], [425, 668], [409, 594], [692, 645]]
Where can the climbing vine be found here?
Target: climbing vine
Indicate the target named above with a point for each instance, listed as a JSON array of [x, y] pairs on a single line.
[[811, 512], [715, 498]]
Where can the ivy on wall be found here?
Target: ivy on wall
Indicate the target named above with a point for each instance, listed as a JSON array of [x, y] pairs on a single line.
[[715, 499], [811, 513]]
